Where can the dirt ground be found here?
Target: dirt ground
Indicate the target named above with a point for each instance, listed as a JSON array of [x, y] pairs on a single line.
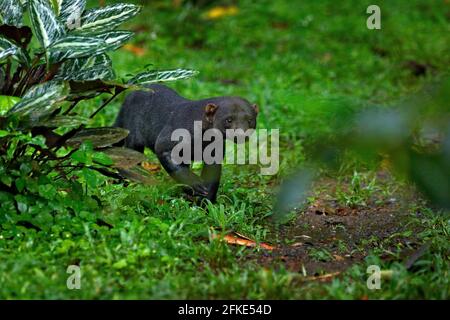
[[344, 235]]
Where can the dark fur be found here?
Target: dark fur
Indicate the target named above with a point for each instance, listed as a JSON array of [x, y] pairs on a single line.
[[152, 116]]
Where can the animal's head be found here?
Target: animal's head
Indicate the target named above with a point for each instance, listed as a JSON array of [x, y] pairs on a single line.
[[231, 113]]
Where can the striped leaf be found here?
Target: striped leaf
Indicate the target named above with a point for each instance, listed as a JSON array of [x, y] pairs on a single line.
[[107, 18], [56, 4], [46, 26], [77, 46], [114, 39], [7, 48], [137, 174], [87, 69], [71, 47], [123, 157], [6, 52], [162, 76], [90, 89], [64, 121], [70, 12], [11, 12], [99, 137], [41, 99]]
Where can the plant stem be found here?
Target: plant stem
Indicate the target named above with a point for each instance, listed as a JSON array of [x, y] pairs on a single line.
[[71, 107], [104, 105]]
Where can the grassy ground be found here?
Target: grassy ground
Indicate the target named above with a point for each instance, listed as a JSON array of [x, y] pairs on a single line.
[[288, 57]]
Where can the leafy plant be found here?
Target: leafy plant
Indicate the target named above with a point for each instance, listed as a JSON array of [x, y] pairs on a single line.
[[320, 255], [358, 192], [46, 151]]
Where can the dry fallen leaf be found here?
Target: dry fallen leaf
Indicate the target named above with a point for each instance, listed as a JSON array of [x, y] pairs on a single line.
[[338, 257], [150, 166], [219, 12], [137, 51], [239, 240]]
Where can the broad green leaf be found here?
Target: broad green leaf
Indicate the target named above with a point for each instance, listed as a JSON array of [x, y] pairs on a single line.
[[71, 11], [84, 153], [41, 99], [7, 48], [124, 158], [80, 156], [102, 158], [99, 137], [90, 177], [4, 133], [161, 76], [87, 69], [46, 26], [107, 18], [6, 103], [71, 47], [114, 39], [11, 12]]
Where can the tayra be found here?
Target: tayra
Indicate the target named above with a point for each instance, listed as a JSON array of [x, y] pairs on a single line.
[[152, 116]]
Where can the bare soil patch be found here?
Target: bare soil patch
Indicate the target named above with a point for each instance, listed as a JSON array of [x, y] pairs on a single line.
[[329, 238]]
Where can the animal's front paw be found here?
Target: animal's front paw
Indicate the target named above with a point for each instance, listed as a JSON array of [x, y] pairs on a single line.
[[200, 190]]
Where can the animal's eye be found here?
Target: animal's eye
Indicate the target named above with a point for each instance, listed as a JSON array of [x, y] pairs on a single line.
[[229, 120]]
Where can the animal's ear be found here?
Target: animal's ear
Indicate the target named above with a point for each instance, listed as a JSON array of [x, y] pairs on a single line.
[[210, 111], [256, 108]]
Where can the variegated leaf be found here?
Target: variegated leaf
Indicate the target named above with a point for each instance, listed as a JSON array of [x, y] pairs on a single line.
[[56, 4], [107, 18], [71, 12], [64, 121], [11, 12], [71, 47], [41, 99], [87, 69], [162, 76], [6, 52], [137, 174], [114, 39], [46, 26], [99, 137], [123, 157], [90, 89], [7, 48]]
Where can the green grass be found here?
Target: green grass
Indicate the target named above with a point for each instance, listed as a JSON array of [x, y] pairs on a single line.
[[292, 58]]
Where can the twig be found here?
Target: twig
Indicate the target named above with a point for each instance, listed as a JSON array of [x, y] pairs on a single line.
[[73, 105], [104, 105]]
